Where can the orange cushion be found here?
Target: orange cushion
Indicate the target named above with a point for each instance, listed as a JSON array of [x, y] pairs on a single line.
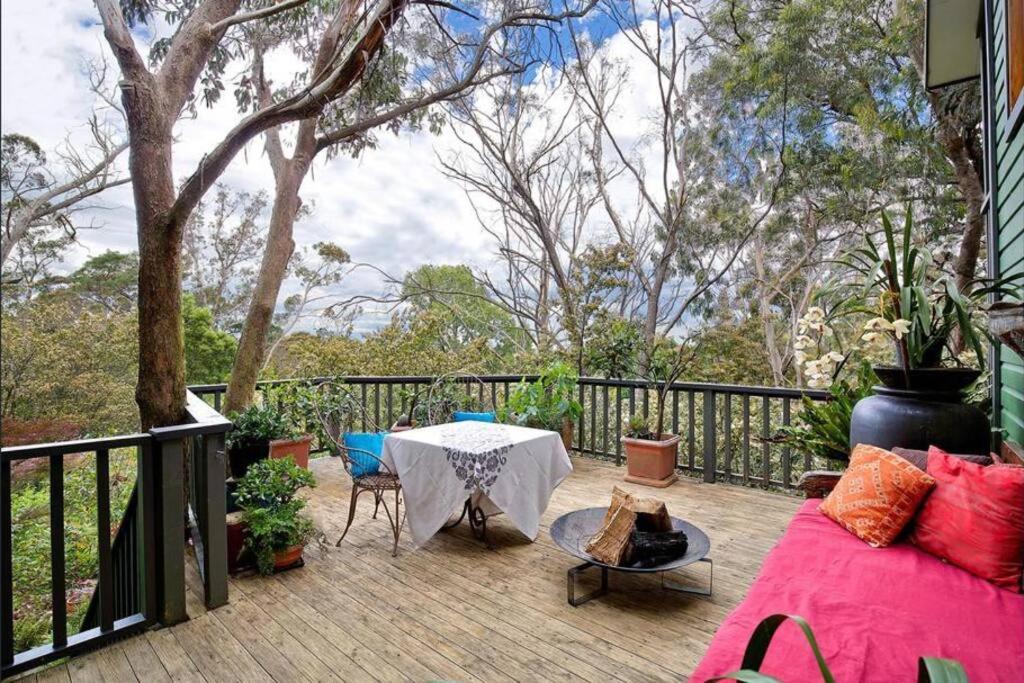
[[975, 518], [877, 495]]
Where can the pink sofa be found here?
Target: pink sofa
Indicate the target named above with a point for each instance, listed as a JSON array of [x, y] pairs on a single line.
[[874, 611]]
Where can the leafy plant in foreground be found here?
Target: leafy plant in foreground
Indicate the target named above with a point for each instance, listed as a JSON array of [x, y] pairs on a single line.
[[930, 669], [272, 511]]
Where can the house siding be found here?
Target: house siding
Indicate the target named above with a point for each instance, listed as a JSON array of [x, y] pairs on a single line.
[[1008, 226]]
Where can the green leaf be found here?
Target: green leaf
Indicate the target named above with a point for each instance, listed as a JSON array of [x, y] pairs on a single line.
[[936, 670], [757, 648]]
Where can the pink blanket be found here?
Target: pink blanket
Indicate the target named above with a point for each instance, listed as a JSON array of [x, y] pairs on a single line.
[[874, 611]]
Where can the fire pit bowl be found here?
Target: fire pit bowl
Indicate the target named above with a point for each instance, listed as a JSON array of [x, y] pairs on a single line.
[[573, 530]]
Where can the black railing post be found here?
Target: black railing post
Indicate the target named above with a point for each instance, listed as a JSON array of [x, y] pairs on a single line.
[[170, 531], [146, 527], [710, 445], [213, 524]]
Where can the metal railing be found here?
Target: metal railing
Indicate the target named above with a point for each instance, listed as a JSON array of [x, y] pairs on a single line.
[[726, 429], [141, 574]]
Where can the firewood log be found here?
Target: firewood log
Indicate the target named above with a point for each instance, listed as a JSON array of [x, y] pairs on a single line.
[[611, 544]]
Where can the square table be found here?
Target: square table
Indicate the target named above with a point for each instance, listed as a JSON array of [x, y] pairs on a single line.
[[484, 468]]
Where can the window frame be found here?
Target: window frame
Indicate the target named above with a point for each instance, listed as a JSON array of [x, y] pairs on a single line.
[[1014, 110]]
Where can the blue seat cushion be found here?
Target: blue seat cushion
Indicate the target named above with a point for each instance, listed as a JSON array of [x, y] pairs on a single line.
[[373, 442], [462, 416]]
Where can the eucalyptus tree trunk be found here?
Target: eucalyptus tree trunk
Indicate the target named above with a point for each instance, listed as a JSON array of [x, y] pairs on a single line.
[[252, 346]]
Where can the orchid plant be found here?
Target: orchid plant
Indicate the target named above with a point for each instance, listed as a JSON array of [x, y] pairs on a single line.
[[915, 309]]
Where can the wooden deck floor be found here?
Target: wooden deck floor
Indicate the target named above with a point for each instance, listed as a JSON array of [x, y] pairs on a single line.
[[454, 610]]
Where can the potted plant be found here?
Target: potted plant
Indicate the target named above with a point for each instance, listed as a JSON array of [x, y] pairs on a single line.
[[927, 322], [547, 403], [249, 440], [275, 530], [651, 453]]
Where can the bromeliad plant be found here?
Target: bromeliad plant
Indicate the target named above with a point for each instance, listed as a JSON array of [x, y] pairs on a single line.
[[822, 428], [916, 308], [272, 511]]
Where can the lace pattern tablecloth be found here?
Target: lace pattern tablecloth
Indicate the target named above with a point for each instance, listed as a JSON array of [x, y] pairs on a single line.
[[503, 467]]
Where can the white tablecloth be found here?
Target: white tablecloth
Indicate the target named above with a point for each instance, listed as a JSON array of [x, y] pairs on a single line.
[[504, 467]]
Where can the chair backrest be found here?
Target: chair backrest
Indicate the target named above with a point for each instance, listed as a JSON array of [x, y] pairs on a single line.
[[339, 409], [454, 391]]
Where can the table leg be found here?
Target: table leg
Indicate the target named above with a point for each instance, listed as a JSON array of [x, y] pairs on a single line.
[[465, 509], [571, 577], [680, 588], [478, 524]]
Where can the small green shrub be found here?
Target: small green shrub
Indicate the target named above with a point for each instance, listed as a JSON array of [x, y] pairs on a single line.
[[258, 425], [271, 510]]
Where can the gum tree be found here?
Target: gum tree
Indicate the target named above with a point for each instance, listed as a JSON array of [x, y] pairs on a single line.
[[157, 92]]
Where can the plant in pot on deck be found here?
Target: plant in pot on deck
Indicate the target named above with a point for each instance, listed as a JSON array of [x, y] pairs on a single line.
[[249, 439], [932, 328], [651, 452], [547, 403], [275, 530]]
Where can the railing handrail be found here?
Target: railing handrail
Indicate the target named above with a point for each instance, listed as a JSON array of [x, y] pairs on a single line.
[[42, 450], [739, 389]]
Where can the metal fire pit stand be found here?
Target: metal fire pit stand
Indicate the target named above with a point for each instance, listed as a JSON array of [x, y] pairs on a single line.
[[573, 530]]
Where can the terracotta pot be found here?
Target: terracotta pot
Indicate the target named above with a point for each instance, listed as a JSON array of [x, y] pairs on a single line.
[[651, 463], [567, 429], [287, 558], [296, 449], [401, 428], [238, 557]]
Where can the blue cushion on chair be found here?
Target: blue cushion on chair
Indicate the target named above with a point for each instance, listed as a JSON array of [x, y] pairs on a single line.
[[462, 416], [363, 464]]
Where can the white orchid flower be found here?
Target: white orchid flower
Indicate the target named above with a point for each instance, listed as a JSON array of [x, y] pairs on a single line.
[[901, 327]]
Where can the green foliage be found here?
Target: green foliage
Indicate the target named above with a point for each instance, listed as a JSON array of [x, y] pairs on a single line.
[[258, 425], [638, 427], [59, 360], [271, 509], [930, 669], [822, 428], [209, 353], [110, 280], [545, 403], [460, 306], [272, 482], [731, 353], [614, 347]]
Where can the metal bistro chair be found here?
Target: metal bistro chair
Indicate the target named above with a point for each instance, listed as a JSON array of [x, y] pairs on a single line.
[[440, 405], [379, 484]]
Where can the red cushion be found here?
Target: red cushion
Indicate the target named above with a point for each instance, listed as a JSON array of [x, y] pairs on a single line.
[[874, 611], [974, 518]]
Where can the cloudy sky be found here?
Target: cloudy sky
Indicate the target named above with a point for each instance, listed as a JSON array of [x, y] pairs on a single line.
[[391, 207]]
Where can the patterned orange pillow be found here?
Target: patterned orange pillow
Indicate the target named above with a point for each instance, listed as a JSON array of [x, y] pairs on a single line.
[[877, 495]]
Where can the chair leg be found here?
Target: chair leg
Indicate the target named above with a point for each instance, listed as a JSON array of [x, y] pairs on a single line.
[[351, 514], [377, 495], [398, 522]]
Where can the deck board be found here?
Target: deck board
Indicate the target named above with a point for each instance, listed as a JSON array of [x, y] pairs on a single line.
[[453, 610]]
